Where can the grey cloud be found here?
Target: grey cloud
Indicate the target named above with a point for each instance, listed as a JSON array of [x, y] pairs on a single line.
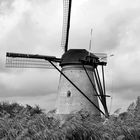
[[108, 34], [114, 28], [127, 95], [29, 83], [33, 90], [124, 91], [124, 81], [23, 38], [6, 6], [28, 35], [46, 102]]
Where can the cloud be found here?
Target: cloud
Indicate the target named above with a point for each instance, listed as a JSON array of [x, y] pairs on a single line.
[[10, 19], [125, 65], [29, 83], [33, 26], [6, 6]]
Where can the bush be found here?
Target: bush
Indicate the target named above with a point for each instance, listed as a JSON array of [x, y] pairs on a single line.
[[31, 123]]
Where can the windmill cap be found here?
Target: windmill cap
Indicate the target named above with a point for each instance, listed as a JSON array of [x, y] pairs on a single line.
[[75, 56]]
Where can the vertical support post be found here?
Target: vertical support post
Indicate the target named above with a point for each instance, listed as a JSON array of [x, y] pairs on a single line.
[[98, 81], [92, 84], [103, 80], [105, 105], [103, 96]]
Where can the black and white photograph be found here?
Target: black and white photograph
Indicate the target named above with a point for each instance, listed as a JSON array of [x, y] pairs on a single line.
[[69, 70]]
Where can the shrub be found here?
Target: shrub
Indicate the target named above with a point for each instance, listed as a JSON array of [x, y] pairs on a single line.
[[31, 123]]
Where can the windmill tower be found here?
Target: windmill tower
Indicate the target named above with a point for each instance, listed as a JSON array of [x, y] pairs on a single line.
[[79, 86], [70, 98]]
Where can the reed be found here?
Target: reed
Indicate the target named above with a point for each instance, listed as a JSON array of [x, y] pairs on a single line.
[[19, 122]]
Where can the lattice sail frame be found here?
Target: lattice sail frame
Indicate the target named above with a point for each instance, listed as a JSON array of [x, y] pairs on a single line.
[[66, 23], [22, 62], [102, 57]]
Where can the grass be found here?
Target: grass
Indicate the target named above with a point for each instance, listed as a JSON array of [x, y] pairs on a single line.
[[31, 123]]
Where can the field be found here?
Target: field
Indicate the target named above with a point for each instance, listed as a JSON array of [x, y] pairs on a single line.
[[19, 122]]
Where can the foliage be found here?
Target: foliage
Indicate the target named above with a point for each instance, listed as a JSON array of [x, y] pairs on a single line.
[[31, 123]]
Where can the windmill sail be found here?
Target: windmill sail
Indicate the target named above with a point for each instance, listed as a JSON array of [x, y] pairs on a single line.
[[17, 60], [102, 57], [66, 23]]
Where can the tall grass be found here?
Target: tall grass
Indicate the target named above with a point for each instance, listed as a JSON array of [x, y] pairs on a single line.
[[31, 123]]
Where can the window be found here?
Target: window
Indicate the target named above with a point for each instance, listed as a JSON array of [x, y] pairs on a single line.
[[68, 93]]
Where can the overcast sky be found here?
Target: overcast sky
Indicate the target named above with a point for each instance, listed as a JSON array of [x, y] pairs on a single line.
[[35, 26]]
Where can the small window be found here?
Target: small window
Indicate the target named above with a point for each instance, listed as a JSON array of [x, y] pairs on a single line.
[[68, 94]]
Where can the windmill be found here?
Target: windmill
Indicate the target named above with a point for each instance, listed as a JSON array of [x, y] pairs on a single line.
[[80, 86]]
